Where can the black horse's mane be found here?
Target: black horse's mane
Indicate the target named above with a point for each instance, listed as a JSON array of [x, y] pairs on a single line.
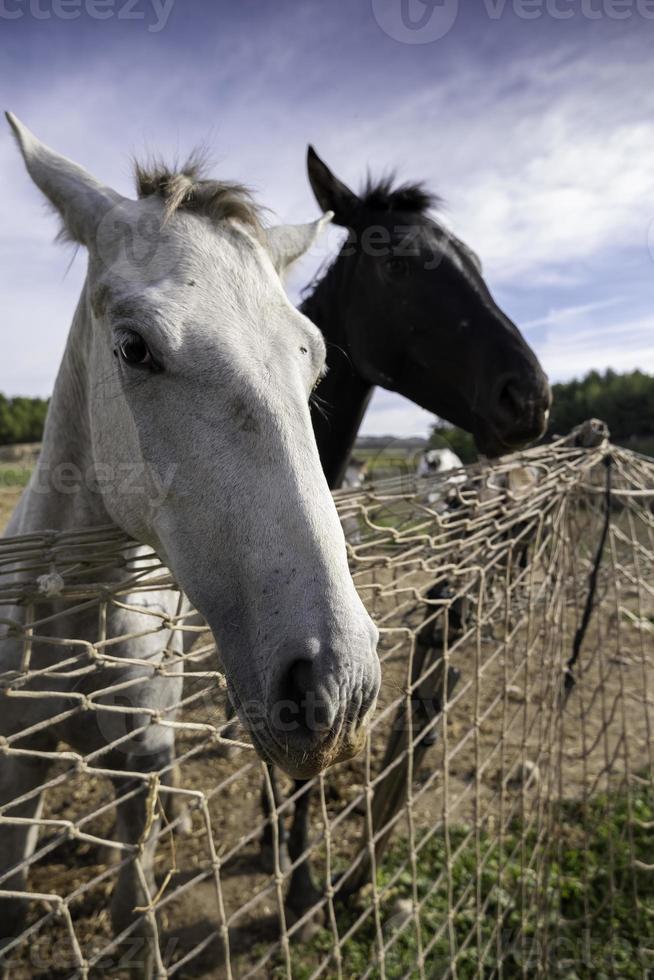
[[382, 194]]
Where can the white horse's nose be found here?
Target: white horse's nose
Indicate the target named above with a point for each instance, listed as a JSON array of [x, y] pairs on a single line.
[[322, 694], [311, 701]]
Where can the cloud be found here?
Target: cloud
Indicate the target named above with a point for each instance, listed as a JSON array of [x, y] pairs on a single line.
[[568, 314], [391, 415], [621, 345]]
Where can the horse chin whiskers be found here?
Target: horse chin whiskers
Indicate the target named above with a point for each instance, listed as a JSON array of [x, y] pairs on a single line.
[[308, 756], [321, 405]]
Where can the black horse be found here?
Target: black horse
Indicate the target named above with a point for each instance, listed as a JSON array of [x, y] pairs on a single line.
[[405, 306]]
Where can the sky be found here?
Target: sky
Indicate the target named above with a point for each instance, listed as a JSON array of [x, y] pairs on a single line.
[[532, 119]]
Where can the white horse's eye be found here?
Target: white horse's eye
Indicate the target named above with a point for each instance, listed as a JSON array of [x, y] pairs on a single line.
[[133, 350]]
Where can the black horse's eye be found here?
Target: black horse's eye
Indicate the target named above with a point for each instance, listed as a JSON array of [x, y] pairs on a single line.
[[397, 266], [133, 350]]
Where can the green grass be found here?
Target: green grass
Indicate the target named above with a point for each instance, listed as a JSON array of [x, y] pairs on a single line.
[[14, 475], [384, 463], [560, 916]]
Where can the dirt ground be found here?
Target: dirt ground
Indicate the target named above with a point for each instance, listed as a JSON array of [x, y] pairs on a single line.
[[507, 749]]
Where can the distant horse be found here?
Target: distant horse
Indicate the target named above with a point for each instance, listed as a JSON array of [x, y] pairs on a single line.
[[356, 473], [437, 461], [405, 306], [190, 343]]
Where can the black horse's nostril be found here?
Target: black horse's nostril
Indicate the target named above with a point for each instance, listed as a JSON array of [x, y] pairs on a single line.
[[305, 702], [511, 400], [516, 412], [520, 406]]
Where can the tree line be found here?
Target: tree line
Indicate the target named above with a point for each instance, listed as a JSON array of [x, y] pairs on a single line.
[[21, 419], [624, 401]]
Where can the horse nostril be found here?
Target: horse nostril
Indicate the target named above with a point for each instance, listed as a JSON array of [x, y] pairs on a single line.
[[511, 400], [306, 700], [519, 407]]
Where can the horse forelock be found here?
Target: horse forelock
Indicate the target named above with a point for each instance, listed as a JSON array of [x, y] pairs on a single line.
[[383, 195], [186, 188]]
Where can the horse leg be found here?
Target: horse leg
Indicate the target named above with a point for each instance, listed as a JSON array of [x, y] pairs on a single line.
[[268, 835], [18, 776], [138, 823], [303, 894]]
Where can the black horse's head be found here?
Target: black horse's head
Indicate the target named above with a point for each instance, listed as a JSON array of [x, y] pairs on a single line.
[[420, 320]]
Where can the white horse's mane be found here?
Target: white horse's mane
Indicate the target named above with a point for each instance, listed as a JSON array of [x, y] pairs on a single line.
[[186, 188]]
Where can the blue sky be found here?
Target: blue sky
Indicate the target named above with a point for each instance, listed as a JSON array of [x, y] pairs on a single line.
[[534, 120]]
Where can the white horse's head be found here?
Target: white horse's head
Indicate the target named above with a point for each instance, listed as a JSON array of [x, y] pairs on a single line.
[[195, 371]]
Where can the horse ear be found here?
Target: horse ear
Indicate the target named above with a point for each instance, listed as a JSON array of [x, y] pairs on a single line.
[[330, 192], [78, 197], [287, 243]]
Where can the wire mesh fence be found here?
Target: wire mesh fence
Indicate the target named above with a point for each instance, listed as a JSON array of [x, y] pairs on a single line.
[[498, 824]]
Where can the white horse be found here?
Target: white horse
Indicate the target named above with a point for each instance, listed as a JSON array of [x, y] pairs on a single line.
[[180, 414], [437, 461], [356, 473]]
